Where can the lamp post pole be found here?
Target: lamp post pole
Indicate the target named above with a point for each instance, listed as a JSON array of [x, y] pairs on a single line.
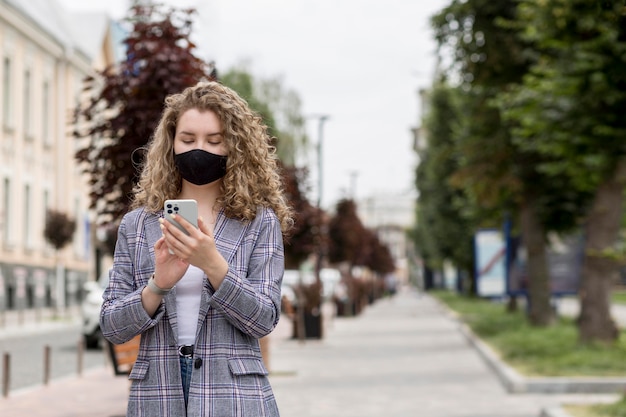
[[321, 249], [320, 159]]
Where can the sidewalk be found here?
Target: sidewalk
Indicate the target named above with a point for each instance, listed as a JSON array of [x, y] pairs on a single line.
[[402, 357]]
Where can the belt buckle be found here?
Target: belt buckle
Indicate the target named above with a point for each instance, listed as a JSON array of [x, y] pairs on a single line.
[[186, 351]]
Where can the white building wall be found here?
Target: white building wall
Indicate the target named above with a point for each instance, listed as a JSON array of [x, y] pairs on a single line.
[[41, 75]]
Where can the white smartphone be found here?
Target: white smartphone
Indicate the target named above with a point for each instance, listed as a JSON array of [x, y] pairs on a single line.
[[184, 208]]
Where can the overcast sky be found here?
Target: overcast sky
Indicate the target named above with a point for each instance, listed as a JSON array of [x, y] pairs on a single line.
[[361, 62]]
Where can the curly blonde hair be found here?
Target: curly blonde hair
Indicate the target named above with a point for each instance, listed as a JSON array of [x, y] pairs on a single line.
[[252, 172]]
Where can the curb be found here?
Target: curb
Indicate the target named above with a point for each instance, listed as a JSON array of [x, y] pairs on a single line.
[[516, 383]]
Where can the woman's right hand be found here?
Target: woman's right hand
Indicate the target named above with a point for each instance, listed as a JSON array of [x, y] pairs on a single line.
[[169, 269]]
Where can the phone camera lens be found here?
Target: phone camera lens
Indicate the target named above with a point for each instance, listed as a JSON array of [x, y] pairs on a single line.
[[169, 206], [169, 212], [175, 208]]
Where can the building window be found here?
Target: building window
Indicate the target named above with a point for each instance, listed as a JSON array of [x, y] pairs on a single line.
[[46, 207], [28, 229], [46, 202], [7, 112], [28, 120], [45, 114], [6, 213]]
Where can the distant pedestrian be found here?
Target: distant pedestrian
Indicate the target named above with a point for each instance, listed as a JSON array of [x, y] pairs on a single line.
[[201, 308]]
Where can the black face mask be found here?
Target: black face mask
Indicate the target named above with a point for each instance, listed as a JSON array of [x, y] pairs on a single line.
[[200, 167]]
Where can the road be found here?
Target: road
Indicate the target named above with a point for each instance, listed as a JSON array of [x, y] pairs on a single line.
[[27, 353]]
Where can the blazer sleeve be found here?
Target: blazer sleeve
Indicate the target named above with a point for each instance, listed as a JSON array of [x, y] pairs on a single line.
[[122, 316], [252, 303]]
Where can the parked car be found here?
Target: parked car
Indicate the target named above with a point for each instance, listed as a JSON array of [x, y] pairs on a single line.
[[90, 309]]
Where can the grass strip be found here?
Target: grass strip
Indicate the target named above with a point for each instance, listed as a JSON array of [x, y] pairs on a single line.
[[550, 351], [537, 351], [617, 409]]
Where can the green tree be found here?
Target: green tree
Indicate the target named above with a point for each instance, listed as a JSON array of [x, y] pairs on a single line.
[[280, 107], [125, 102], [571, 109], [444, 226], [243, 82], [487, 59], [498, 174]]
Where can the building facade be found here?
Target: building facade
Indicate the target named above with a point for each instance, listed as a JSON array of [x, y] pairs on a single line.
[[43, 67], [391, 216]]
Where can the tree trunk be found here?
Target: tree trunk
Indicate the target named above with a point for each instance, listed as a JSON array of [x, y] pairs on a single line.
[[601, 232], [533, 238], [59, 303]]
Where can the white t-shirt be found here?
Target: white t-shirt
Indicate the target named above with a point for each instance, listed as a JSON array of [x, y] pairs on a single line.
[[188, 293]]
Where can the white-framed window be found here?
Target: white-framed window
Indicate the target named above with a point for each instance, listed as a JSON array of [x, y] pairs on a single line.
[[7, 214], [48, 249], [7, 98], [45, 114], [27, 219], [28, 104], [46, 202]]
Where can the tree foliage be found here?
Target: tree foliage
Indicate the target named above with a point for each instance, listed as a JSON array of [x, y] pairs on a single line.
[[303, 239], [542, 132], [59, 228], [570, 109], [345, 232], [125, 101], [280, 107], [352, 243], [375, 255], [495, 171], [244, 83], [445, 215]]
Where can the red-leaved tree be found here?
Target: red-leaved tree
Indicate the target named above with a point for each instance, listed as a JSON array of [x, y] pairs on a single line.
[[125, 102], [303, 239]]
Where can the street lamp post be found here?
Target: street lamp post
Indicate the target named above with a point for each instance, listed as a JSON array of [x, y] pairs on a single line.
[[320, 159], [320, 192], [320, 221]]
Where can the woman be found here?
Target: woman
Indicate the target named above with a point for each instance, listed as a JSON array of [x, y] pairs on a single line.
[[201, 301]]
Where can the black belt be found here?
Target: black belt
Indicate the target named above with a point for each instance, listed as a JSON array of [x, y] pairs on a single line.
[[185, 351]]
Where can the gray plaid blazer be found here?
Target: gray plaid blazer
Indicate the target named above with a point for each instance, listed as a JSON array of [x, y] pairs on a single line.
[[231, 380]]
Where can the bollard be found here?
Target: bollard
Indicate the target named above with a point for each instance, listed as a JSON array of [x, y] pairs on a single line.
[[46, 364], [6, 372], [81, 351]]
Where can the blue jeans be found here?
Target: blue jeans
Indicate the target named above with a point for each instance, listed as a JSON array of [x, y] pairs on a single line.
[[186, 367]]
